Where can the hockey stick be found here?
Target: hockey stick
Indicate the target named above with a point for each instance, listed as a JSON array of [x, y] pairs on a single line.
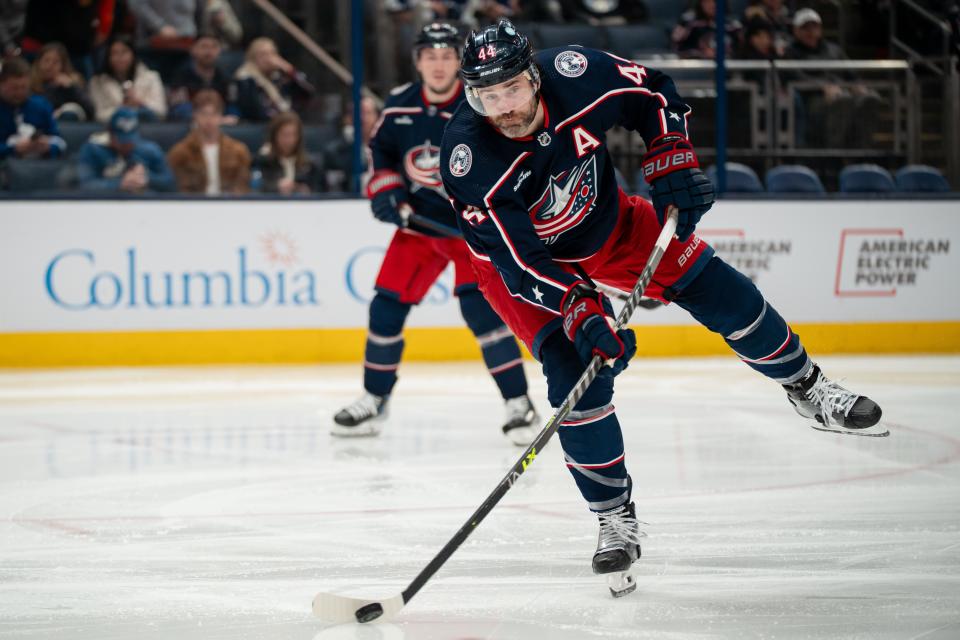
[[452, 232], [336, 609]]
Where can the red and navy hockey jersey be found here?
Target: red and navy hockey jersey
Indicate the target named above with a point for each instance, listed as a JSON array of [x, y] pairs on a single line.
[[407, 140], [526, 203]]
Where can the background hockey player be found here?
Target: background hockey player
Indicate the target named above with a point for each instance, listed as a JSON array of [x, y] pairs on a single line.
[[405, 150], [532, 182]]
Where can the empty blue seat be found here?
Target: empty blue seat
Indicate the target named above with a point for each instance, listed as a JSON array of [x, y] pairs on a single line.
[[621, 181], [34, 175], [865, 178], [740, 178], [793, 178], [315, 137], [165, 134], [921, 177], [251, 134], [636, 40], [560, 35], [76, 133], [640, 185]]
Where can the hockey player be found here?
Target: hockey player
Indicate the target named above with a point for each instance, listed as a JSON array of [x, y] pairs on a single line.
[[405, 150], [532, 183]]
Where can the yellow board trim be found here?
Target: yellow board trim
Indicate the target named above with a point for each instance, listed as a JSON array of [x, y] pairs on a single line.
[[422, 344]]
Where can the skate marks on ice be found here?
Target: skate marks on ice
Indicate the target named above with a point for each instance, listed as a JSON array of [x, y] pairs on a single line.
[[215, 505]]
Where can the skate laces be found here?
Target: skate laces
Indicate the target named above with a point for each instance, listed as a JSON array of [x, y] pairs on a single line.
[[365, 406], [618, 526], [832, 399], [518, 409]]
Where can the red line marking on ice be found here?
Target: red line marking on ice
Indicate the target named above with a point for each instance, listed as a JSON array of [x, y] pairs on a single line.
[[952, 456]]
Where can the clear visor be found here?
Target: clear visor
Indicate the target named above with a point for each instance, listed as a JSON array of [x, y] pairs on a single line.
[[506, 96]]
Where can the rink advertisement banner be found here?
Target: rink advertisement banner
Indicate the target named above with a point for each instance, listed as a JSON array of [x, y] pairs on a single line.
[[130, 267]]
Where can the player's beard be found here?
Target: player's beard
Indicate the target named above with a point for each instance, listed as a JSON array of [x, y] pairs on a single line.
[[514, 124], [444, 89]]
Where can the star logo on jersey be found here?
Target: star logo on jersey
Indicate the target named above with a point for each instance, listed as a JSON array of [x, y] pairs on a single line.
[[567, 200], [537, 294], [675, 116], [422, 166]]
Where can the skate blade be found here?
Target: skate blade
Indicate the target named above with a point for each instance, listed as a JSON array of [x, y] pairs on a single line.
[[521, 436], [362, 431], [878, 430], [621, 583]]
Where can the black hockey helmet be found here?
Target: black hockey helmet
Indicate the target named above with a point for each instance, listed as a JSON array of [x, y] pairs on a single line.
[[437, 35], [493, 55]]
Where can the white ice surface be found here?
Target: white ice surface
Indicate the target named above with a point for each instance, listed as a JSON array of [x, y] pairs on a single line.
[[209, 503]]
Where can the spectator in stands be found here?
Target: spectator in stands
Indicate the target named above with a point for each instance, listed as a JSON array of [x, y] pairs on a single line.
[[604, 12], [201, 72], [164, 20], [489, 11], [777, 14], [282, 164], [843, 111], [338, 154], [27, 126], [218, 18], [267, 84], [13, 14], [80, 25], [550, 11], [54, 78], [165, 31], [207, 161], [758, 41], [124, 80], [119, 159], [694, 36]]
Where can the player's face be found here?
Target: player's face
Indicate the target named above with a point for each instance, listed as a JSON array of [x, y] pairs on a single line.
[[511, 106], [438, 68]]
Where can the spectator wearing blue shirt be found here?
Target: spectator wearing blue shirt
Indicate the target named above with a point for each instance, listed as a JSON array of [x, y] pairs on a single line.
[[120, 160], [27, 126]]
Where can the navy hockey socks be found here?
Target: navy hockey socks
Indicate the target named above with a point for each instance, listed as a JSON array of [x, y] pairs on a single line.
[[384, 344], [727, 302], [500, 351]]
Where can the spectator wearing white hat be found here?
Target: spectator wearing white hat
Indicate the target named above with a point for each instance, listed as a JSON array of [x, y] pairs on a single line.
[[842, 114]]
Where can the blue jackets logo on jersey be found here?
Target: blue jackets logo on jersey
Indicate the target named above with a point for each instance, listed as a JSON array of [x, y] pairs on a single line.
[[422, 166], [567, 200]]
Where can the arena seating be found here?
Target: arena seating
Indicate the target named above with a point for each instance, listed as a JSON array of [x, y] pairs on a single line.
[[793, 178], [921, 178], [865, 178], [23, 176], [740, 178]]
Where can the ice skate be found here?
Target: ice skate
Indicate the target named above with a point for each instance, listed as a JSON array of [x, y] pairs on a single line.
[[522, 422], [834, 408], [363, 417], [618, 547]]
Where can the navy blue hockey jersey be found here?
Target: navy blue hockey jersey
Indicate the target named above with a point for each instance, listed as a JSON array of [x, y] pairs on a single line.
[[552, 196], [407, 140]]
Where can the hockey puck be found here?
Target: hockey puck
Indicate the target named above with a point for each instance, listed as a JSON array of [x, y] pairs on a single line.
[[369, 612]]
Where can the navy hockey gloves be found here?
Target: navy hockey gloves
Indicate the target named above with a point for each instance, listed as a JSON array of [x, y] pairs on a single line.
[[387, 193], [587, 321], [673, 172]]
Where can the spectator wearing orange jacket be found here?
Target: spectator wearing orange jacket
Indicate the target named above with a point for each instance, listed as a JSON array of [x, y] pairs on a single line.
[[207, 161]]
